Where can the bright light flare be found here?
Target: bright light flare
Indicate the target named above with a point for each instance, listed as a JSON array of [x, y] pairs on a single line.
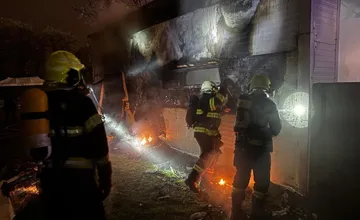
[[299, 110], [150, 139], [143, 142], [222, 182], [296, 109]]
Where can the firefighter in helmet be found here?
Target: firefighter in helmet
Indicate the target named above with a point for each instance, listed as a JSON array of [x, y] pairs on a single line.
[[76, 177], [257, 122], [206, 130]]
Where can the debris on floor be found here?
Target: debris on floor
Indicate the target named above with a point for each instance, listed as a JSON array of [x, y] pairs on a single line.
[[143, 191]]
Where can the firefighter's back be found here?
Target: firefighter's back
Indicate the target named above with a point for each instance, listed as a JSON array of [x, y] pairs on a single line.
[[208, 114], [68, 181], [74, 166], [69, 112], [256, 111]]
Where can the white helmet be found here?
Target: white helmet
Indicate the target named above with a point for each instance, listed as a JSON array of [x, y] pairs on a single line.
[[208, 87]]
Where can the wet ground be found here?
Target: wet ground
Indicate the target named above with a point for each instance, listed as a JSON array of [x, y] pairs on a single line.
[[148, 184], [157, 175]]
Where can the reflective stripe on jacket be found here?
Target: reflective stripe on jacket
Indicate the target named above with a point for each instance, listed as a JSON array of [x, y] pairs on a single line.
[[73, 131], [209, 110], [84, 163], [77, 132]]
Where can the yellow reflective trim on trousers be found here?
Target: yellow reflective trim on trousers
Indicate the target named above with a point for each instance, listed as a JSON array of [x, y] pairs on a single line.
[[213, 115], [92, 122], [79, 163], [199, 111], [206, 131], [103, 160], [212, 104]]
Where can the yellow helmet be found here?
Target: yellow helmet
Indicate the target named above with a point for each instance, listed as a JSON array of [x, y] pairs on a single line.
[[63, 67], [260, 82]]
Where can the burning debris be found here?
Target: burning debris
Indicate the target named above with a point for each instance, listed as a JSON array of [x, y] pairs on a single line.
[[22, 188], [22, 196], [146, 141], [137, 136]]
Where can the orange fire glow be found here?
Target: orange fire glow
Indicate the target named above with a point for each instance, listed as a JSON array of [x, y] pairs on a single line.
[[30, 189], [222, 182], [146, 141]]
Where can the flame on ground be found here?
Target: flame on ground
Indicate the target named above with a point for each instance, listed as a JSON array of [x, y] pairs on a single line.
[[222, 182], [146, 141]]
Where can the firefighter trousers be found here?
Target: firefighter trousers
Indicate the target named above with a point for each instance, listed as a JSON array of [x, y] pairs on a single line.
[[69, 207], [210, 152], [245, 161], [71, 194]]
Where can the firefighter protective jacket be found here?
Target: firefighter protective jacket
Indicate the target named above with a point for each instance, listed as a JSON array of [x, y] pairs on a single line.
[[78, 138], [257, 120], [209, 113]]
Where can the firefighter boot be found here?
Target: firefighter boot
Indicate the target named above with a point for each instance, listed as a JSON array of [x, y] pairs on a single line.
[[258, 211], [237, 198], [192, 181]]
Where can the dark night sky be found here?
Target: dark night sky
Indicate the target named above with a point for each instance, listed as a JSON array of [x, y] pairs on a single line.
[[58, 14]]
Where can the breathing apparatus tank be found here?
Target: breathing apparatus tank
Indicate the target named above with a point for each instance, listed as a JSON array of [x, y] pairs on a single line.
[[35, 126]]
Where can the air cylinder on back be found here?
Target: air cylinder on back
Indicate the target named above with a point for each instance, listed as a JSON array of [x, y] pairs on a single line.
[[35, 126]]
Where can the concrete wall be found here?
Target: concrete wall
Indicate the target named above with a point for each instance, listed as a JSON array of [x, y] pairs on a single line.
[[349, 65], [349, 41], [275, 27]]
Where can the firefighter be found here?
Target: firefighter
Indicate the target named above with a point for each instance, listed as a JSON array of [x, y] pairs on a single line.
[[76, 178], [257, 122], [206, 131]]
